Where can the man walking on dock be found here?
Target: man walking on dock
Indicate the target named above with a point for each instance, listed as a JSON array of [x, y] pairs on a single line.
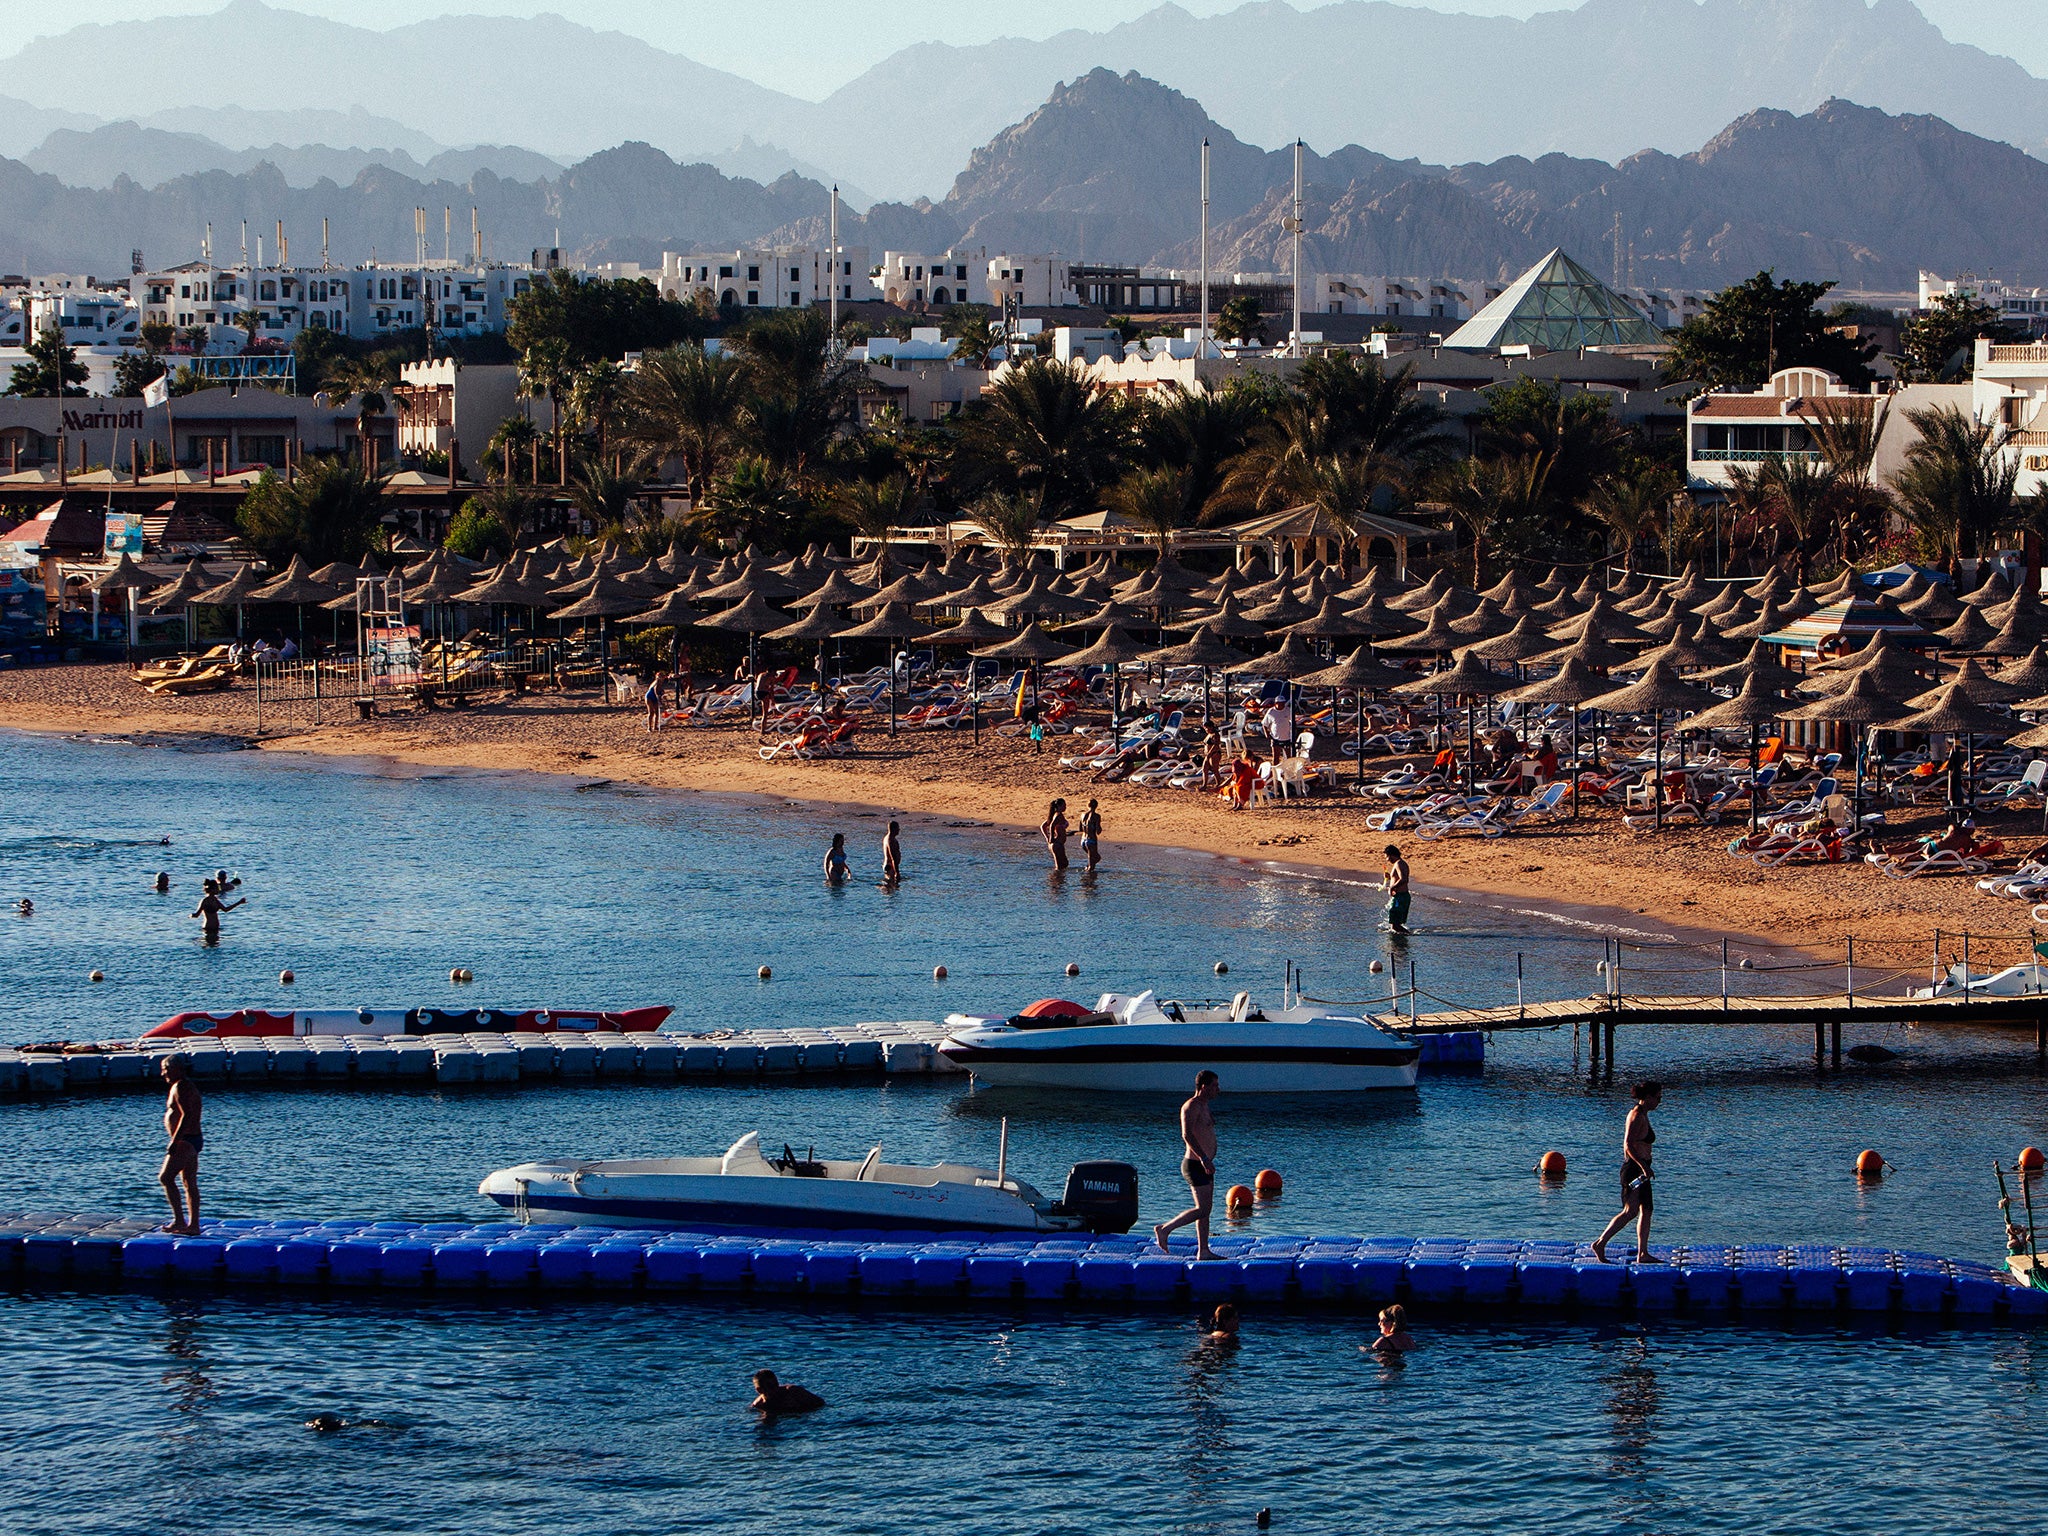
[[182, 1107], [1198, 1166], [1395, 883]]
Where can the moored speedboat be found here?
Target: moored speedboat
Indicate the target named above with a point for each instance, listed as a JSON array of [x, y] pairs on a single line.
[[746, 1189], [254, 1022], [1142, 1045]]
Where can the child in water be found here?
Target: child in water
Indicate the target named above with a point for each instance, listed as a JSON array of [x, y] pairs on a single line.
[[1395, 1340], [1222, 1325]]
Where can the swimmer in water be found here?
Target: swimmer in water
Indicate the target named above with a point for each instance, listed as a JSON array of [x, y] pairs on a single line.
[[772, 1397], [163, 881], [25, 907], [1395, 1340], [210, 908], [1222, 1325], [835, 860]]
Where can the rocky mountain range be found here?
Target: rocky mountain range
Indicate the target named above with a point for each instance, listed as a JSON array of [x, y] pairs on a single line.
[[1603, 79], [1107, 170]]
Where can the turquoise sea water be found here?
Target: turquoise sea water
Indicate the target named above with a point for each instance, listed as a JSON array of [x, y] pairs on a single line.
[[145, 1413]]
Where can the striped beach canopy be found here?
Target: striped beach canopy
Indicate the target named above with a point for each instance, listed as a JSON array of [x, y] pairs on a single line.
[[1853, 621]]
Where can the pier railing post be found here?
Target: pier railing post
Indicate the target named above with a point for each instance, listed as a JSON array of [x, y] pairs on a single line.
[[1521, 1009], [1851, 970], [1724, 975]]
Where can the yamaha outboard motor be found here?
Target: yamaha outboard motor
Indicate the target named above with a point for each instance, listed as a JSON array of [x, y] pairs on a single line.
[[1103, 1197]]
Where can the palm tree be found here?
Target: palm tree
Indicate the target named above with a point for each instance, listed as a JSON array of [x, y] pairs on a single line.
[[1630, 504], [1798, 495], [1159, 500], [595, 397], [1045, 428], [606, 494], [872, 508], [1366, 409], [369, 379], [1503, 500], [1846, 434], [1201, 434], [1959, 484], [751, 501], [547, 371], [510, 449], [684, 402], [1010, 519]]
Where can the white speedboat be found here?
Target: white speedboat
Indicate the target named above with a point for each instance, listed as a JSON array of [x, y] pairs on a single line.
[[745, 1189], [2028, 980], [1142, 1045]]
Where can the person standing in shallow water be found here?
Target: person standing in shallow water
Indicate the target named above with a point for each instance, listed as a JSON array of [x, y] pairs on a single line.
[[892, 857], [1637, 1137], [1395, 883], [209, 910], [835, 860], [1091, 834], [1054, 829]]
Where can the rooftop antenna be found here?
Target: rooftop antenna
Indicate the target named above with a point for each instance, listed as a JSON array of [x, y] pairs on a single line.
[[832, 274], [205, 247], [1294, 227], [1202, 333], [284, 250], [323, 242], [245, 242], [476, 237]]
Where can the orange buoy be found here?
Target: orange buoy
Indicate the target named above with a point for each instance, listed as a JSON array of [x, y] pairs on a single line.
[[1870, 1165], [1239, 1198], [1267, 1183], [1551, 1165], [2031, 1160]]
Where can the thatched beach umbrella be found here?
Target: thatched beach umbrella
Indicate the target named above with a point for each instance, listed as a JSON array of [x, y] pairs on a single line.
[[1574, 684], [1471, 681], [1362, 673], [2030, 672], [128, 577], [1031, 645], [838, 590], [1660, 690], [1864, 704], [1756, 706], [237, 590], [1969, 633], [1977, 685], [1331, 622], [1206, 650], [894, 623], [1954, 713], [1109, 652], [1762, 665]]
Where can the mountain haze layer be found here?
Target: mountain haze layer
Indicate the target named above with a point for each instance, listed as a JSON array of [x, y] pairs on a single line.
[[1604, 80], [1108, 170]]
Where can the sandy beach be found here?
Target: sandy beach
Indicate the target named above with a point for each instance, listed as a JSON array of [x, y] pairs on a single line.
[[1680, 878]]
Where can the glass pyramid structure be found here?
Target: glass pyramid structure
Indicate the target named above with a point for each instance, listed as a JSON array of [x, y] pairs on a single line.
[[1556, 305]]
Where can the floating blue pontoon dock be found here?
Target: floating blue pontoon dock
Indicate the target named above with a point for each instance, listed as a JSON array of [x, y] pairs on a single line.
[[466, 1258]]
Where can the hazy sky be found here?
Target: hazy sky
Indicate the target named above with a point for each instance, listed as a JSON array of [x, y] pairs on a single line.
[[809, 47]]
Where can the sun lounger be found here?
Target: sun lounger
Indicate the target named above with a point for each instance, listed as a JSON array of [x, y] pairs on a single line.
[[1935, 861]]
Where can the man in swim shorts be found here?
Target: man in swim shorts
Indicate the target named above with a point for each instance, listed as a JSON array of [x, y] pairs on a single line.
[[1395, 883], [181, 1160], [1198, 1165]]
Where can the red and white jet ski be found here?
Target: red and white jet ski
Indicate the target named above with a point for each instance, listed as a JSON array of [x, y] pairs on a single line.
[[246, 1022]]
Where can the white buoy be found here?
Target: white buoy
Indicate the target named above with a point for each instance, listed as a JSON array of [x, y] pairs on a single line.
[[1746, 965], [1073, 969], [764, 973], [1376, 967], [468, 975], [97, 976], [1600, 968], [456, 974], [1222, 969], [938, 973], [285, 978]]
